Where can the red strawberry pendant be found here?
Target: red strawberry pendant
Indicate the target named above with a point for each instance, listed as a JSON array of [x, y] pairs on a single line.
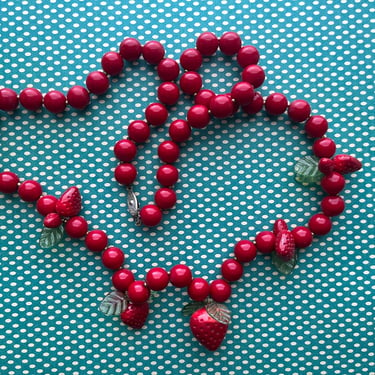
[[285, 256], [69, 203], [346, 164], [135, 315]]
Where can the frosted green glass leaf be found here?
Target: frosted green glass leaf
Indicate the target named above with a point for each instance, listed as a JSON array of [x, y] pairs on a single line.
[[306, 170], [219, 311], [285, 267], [113, 303], [51, 236]]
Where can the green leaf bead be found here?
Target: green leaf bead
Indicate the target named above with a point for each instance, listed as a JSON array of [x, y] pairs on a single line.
[[306, 170]]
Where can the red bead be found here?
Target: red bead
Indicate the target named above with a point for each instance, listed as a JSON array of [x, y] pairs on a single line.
[[125, 173], [156, 114], [255, 106], [254, 74], [165, 198], [302, 237], [112, 63], [320, 224], [113, 258], [179, 131], [150, 215], [243, 93], [247, 55], [8, 182], [324, 148], [168, 152], [138, 292], [231, 270], [332, 205], [55, 101], [8, 100], [190, 83], [31, 99], [316, 126], [97, 83], [276, 104], [299, 110], [139, 131], [130, 49], [52, 220], [153, 52], [245, 251], [220, 290], [167, 175], [191, 59], [326, 165], [76, 227], [221, 106], [168, 93], [265, 242], [96, 240], [198, 116], [121, 279], [230, 43], [46, 204], [180, 276], [157, 278], [333, 183], [125, 150], [198, 289], [207, 43], [78, 97], [30, 191], [204, 97], [235, 104], [168, 69]]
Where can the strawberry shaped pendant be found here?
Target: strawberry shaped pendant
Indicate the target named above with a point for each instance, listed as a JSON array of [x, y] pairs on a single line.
[[135, 315], [69, 203], [346, 164]]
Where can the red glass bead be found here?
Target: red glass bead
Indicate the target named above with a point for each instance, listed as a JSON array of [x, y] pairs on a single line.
[[320, 224], [130, 49], [121, 279], [265, 242], [139, 131], [112, 63], [125, 173], [150, 215], [230, 43], [31, 99], [30, 191], [299, 110], [326, 165], [276, 104], [255, 106], [220, 290], [324, 147], [78, 97], [138, 292], [243, 93], [190, 83], [253, 74], [199, 289], [125, 150], [168, 93], [168, 152], [46, 204], [204, 97], [113, 258], [97, 83], [8, 182], [153, 52], [156, 114], [332, 205], [179, 131], [302, 237], [55, 101], [168, 69], [180, 276], [231, 270], [52, 220], [198, 116], [235, 104], [247, 55], [165, 198], [157, 278], [76, 227], [167, 175], [221, 106], [207, 43], [245, 251], [8, 100], [333, 183], [96, 240], [316, 126], [191, 59]]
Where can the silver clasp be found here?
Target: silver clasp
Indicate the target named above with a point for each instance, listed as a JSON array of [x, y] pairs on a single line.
[[133, 206]]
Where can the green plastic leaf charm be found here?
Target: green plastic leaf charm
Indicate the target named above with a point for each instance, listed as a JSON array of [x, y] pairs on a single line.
[[113, 303], [191, 307], [306, 170], [285, 267], [51, 236]]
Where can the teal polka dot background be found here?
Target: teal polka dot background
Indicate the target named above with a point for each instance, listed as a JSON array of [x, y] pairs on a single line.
[[236, 178]]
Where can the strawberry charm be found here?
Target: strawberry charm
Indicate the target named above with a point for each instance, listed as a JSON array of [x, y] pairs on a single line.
[[69, 203], [135, 315], [346, 164], [284, 257]]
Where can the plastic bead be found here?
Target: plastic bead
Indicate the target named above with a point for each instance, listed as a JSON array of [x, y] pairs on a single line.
[[130, 49], [255, 106], [139, 131], [198, 116], [121, 279], [265, 242], [168, 93], [8, 100], [76, 227], [191, 59], [150, 215], [276, 104], [168, 152], [30, 191], [165, 198], [299, 110], [97, 83], [320, 224], [316, 126], [96, 240], [55, 101], [52, 220], [333, 183], [180, 276], [326, 165], [138, 292], [157, 278], [221, 106], [332, 205], [168, 69], [31, 99], [199, 289], [167, 175], [253, 74], [204, 97], [113, 258], [247, 55], [156, 114], [8, 182], [78, 97], [153, 52], [245, 251], [207, 43], [220, 290], [112, 63], [46, 204], [231, 270], [243, 93], [230, 43], [125, 174], [125, 150], [190, 83], [324, 148], [302, 237], [179, 131]]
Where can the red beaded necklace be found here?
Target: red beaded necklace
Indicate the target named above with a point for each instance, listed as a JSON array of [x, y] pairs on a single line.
[[209, 317]]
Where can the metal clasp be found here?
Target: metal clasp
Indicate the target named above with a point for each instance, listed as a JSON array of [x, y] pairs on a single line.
[[133, 206]]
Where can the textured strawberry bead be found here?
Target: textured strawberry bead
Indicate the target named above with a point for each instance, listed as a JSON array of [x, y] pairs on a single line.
[[78, 97], [204, 97], [55, 101], [139, 131], [243, 93], [96, 240], [320, 224], [112, 63], [156, 114], [97, 83], [332, 205], [245, 251], [167, 175], [8, 100], [157, 278], [52, 220], [125, 173], [153, 52], [150, 215], [31, 99], [231, 270], [276, 104], [138, 292], [253, 74], [121, 279], [168, 69], [324, 148], [8, 182], [165, 198], [130, 49], [76, 227], [199, 289], [30, 191], [299, 110], [207, 43], [220, 290], [198, 116], [125, 150], [168, 152], [190, 83], [326, 165], [191, 59], [316, 126], [46, 204], [221, 106], [265, 241], [255, 106], [180, 276], [179, 131], [302, 237], [113, 258], [168, 93], [333, 183], [278, 226], [247, 55], [230, 43]]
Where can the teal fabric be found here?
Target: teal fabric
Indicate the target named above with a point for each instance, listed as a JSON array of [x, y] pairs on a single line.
[[236, 178]]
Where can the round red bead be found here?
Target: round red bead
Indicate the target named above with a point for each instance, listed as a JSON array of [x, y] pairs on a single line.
[[333, 183], [130, 49], [332, 205], [125, 150], [76, 227], [121, 279], [97, 83], [220, 290], [190, 83], [247, 55], [8, 100], [52, 220], [168, 152], [198, 116], [167, 175], [245, 251], [168, 69], [299, 110], [78, 97], [113, 258], [320, 224], [150, 215], [221, 106], [31, 99], [180, 276], [125, 173], [157, 278], [255, 106], [326, 165], [191, 59], [153, 52], [204, 97], [55, 101], [207, 43], [199, 289], [231, 270], [253, 74], [8, 182], [30, 191], [243, 93], [138, 131], [316, 126], [46, 204], [165, 198], [96, 240], [179, 131], [138, 292], [324, 148], [168, 93], [156, 114], [230, 43], [265, 241], [302, 237], [112, 63], [276, 104]]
